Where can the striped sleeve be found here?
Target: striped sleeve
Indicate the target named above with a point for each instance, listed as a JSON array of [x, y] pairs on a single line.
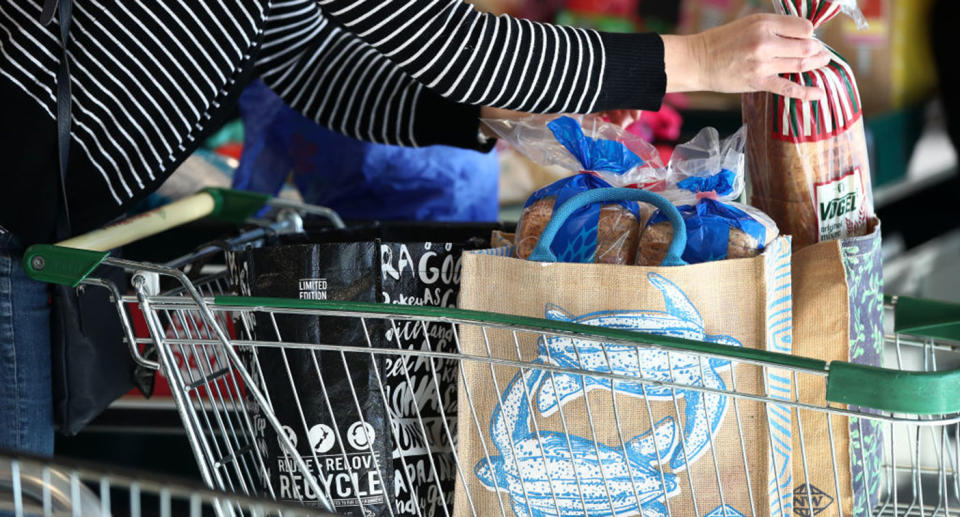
[[472, 57], [343, 83]]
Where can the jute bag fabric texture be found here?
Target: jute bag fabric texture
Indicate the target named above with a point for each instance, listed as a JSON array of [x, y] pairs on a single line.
[[630, 442], [838, 316]]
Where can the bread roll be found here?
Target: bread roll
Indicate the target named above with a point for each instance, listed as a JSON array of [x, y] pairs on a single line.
[[618, 231], [656, 237]]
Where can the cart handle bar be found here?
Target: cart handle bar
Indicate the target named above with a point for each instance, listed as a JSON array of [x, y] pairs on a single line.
[[915, 393], [233, 206]]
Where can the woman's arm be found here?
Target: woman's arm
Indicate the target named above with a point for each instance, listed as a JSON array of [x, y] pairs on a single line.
[[475, 57], [472, 57], [341, 82]]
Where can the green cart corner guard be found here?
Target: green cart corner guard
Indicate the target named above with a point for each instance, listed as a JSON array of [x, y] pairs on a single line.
[[914, 393], [61, 265], [235, 206], [927, 318]]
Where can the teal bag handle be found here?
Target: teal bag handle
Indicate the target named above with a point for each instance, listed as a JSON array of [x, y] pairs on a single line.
[[543, 253]]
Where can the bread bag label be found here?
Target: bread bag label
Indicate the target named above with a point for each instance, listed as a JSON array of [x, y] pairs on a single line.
[[841, 206]]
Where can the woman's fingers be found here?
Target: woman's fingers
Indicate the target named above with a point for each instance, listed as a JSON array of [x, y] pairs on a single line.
[[791, 89], [780, 47], [799, 65], [787, 26]]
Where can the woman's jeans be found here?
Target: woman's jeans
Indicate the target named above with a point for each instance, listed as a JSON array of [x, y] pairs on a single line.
[[26, 400]]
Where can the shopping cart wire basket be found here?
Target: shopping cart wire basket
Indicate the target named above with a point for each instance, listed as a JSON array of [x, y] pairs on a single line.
[[226, 404], [33, 486]]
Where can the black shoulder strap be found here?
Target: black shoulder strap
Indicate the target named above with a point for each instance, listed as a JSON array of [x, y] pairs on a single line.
[[64, 10]]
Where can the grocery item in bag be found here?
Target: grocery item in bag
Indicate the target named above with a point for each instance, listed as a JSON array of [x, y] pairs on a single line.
[[603, 233], [807, 161], [705, 176], [715, 231], [329, 404]]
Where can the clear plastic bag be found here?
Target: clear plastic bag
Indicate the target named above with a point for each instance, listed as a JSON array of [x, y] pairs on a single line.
[[584, 144], [715, 231], [707, 164], [602, 233], [807, 161], [705, 176]]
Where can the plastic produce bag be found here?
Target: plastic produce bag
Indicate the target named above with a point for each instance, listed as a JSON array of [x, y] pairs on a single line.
[[602, 233], [585, 144], [807, 161]]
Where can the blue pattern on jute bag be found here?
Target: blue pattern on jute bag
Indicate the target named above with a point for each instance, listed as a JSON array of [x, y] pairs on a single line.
[[862, 261]]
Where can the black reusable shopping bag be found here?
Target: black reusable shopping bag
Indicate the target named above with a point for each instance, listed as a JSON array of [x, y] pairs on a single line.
[[329, 404], [418, 264]]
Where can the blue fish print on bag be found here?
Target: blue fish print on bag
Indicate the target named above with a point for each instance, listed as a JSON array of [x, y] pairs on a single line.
[[544, 479], [704, 411]]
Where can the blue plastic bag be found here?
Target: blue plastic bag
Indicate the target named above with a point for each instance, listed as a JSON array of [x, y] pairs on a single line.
[[578, 239], [708, 229], [594, 154], [357, 179]]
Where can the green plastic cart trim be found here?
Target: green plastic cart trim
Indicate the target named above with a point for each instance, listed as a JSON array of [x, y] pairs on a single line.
[[917, 393], [927, 318], [60, 265], [480, 317], [235, 206]]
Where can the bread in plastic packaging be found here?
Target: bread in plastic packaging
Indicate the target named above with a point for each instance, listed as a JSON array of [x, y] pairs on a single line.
[[608, 157], [705, 176], [606, 233], [715, 231], [807, 161]]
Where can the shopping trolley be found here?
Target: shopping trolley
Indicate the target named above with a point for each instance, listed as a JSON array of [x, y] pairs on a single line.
[[225, 402], [32, 486]]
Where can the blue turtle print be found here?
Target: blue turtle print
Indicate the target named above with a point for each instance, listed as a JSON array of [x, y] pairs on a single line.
[[544, 479], [704, 411], [538, 470]]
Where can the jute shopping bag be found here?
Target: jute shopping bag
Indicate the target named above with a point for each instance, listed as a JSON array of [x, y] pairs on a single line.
[[620, 447], [837, 316]]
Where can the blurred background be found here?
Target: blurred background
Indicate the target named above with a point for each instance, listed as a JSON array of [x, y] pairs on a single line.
[[913, 158], [902, 63]]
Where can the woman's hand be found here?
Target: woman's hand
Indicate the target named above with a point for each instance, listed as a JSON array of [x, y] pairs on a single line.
[[746, 55], [622, 118]]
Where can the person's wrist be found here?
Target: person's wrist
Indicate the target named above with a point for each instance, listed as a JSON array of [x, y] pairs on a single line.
[[683, 58]]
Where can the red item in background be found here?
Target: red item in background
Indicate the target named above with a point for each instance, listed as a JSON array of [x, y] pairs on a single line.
[[231, 150], [162, 386], [662, 127], [666, 151], [613, 7]]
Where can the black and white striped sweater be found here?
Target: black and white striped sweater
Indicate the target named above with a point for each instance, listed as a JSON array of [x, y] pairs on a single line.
[[149, 77]]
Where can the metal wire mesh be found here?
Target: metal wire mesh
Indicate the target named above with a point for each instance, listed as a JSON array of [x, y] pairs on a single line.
[[582, 459], [35, 487]]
